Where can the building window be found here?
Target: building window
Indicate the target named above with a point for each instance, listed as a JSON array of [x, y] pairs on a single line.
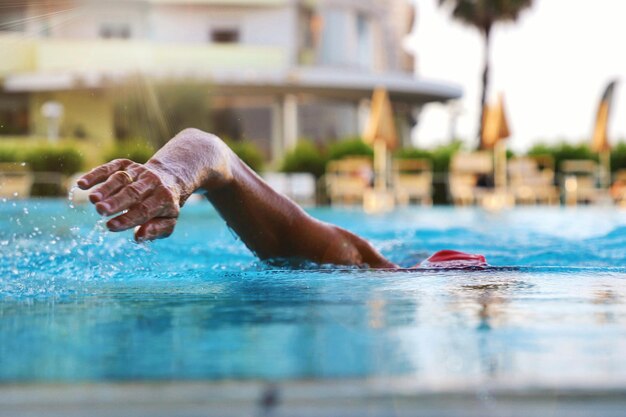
[[310, 32], [364, 41], [115, 31], [14, 114], [335, 49], [225, 35]]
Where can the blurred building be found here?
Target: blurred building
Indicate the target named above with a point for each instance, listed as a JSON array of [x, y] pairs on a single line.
[[279, 70]]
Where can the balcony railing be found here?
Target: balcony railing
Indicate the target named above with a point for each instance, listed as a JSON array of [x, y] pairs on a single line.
[[18, 55]]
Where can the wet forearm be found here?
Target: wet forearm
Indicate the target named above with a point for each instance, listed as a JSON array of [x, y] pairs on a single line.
[[270, 224]]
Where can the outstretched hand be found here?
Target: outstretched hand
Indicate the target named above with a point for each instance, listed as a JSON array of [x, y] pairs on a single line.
[[141, 194]]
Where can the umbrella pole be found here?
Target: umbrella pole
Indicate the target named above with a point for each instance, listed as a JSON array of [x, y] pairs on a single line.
[[605, 165], [378, 199], [380, 164], [500, 180]]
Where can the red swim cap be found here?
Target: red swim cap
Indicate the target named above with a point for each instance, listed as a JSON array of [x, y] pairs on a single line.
[[453, 259]]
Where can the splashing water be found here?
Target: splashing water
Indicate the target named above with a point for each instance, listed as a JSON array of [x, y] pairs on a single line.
[[70, 196], [56, 255]]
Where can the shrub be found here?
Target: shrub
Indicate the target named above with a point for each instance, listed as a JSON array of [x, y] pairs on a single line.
[[439, 157], [349, 147], [9, 154], [305, 157], [47, 158], [442, 155], [413, 153], [135, 151], [618, 157], [562, 152], [249, 153]]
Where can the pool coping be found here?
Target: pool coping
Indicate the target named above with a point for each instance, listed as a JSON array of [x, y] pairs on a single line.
[[372, 397]]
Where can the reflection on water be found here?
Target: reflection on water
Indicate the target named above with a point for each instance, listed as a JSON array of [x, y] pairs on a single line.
[[79, 304], [249, 328]]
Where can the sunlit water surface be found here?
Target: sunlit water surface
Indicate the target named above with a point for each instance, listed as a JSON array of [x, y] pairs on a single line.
[[80, 304]]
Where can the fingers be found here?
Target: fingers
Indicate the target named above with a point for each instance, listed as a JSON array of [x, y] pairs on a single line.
[[128, 196], [138, 214], [158, 228], [151, 205], [101, 173], [114, 183]]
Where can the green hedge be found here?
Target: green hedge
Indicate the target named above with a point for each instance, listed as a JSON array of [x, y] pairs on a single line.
[[9, 154], [563, 151], [45, 158], [135, 151], [66, 161], [349, 147], [618, 157], [439, 157], [248, 152], [306, 157]]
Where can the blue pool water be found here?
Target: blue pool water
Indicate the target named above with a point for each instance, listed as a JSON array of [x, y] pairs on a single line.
[[80, 304]]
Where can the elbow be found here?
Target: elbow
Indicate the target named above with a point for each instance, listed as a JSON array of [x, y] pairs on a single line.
[[217, 159], [193, 134], [199, 159]]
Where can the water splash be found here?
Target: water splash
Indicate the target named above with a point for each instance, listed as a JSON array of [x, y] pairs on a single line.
[[70, 196], [46, 251]]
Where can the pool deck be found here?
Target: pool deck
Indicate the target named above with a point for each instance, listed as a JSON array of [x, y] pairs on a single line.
[[337, 398]]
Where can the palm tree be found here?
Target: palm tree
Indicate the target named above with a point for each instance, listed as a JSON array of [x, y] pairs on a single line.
[[483, 15]]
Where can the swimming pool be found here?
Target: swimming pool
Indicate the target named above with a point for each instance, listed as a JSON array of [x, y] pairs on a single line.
[[78, 304]]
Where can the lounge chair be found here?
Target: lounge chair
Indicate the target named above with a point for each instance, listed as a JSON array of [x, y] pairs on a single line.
[[413, 181], [531, 180], [299, 186], [578, 182], [348, 179], [618, 188], [465, 172]]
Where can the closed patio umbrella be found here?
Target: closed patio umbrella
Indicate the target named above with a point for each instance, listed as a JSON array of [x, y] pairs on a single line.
[[495, 130], [381, 134], [600, 141]]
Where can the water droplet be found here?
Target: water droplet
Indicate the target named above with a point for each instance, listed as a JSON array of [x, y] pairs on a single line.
[[25, 211], [70, 196]]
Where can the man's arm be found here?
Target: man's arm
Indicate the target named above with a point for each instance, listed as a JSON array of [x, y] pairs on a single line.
[[270, 224]]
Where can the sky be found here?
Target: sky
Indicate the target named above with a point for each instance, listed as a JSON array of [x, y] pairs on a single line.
[[552, 67]]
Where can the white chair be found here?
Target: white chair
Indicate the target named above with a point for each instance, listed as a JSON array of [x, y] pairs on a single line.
[[278, 181], [465, 170], [302, 188], [16, 180], [348, 179], [413, 181]]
